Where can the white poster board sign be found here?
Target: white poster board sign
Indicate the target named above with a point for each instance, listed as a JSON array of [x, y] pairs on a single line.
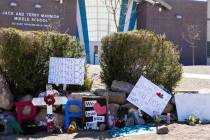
[[193, 104], [149, 97], [66, 71]]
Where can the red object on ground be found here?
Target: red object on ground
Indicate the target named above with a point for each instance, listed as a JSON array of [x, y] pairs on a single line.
[[19, 108]]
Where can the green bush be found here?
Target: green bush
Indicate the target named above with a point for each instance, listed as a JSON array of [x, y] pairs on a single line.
[[24, 57], [127, 56]]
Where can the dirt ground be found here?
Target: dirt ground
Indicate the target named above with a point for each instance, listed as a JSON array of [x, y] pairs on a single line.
[[176, 132]]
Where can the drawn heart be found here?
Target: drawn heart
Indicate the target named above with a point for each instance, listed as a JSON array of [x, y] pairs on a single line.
[[100, 110], [158, 94]]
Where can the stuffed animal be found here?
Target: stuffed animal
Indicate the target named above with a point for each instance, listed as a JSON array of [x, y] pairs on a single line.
[[120, 123], [72, 127], [111, 121]]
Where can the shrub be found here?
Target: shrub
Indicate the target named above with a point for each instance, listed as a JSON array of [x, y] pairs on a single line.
[[127, 56], [24, 57]]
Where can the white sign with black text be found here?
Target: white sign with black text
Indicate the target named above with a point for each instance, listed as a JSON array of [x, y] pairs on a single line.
[[66, 71]]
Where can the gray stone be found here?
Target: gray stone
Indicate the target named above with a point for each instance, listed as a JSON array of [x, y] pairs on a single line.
[[168, 109], [117, 97], [6, 97], [27, 98], [78, 95], [41, 116], [162, 130], [113, 108], [129, 106], [121, 86], [101, 92]]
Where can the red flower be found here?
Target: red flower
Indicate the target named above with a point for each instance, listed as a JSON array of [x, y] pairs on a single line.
[[49, 99]]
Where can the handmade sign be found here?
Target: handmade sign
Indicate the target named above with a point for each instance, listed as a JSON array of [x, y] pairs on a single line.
[[69, 115], [19, 109], [149, 97], [49, 100], [66, 71], [94, 112], [197, 105]]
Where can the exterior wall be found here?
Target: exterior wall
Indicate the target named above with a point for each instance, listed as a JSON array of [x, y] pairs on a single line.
[[168, 22], [208, 33], [30, 18]]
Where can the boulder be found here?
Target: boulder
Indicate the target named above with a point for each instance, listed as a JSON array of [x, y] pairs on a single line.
[[6, 97], [78, 95], [162, 130], [101, 92], [168, 109], [41, 116], [27, 98], [117, 97], [113, 108], [129, 106], [121, 86]]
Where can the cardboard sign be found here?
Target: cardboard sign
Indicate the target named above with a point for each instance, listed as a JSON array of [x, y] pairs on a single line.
[[66, 71], [193, 104], [94, 112], [149, 97]]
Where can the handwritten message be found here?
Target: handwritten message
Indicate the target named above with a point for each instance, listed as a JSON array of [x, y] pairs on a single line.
[[66, 71], [149, 97]]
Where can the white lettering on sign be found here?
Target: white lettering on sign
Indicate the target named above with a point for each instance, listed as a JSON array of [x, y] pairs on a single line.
[[149, 97], [99, 118], [90, 113], [90, 103], [30, 19]]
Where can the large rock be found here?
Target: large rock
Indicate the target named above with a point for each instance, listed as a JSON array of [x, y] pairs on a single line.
[[6, 98], [78, 95], [162, 130], [113, 108], [117, 97], [129, 106], [101, 92], [168, 109], [26, 98], [41, 116], [121, 86]]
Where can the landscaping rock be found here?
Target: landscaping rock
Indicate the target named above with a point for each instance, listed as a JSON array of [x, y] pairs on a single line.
[[129, 106], [6, 97], [41, 116], [121, 86], [113, 108], [27, 98], [78, 95], [162, 130], [117, 97], [168, 109], [101, 92]]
